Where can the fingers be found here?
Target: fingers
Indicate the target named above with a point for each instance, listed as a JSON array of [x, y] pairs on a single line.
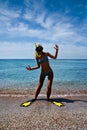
[[28, 67], [56, 47]]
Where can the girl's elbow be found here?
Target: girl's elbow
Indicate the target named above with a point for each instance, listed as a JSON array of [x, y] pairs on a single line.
[[55, 57], [38, 66]]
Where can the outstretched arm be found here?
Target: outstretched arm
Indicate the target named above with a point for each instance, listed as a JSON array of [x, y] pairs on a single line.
[[33, 68], [56, 53]]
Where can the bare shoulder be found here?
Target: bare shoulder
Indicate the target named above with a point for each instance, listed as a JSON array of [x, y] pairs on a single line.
[[50, 55], [36, 58], [47, 53]]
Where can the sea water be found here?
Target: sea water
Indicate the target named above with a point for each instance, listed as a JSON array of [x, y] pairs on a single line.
[[67, 73]]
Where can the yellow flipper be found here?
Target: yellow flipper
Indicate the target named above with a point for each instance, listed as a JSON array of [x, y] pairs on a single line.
[[59, 104], [26, 104]]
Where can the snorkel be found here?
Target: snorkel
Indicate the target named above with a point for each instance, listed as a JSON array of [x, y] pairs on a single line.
[[38, 48]]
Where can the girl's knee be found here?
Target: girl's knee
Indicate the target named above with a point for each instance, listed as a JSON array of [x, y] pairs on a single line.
[[40, 85], [49, 87]]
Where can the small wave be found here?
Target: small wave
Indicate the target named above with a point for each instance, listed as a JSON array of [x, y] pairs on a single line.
[[70, 95], [13, 95], [43, 95]]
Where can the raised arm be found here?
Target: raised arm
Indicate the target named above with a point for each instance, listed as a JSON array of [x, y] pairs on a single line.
[[56, 52]]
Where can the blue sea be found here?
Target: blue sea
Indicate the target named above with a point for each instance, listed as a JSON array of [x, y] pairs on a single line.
[[68, 74]]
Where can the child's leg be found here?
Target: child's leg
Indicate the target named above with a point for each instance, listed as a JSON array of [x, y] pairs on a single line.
[[50, 80], [41, 80]]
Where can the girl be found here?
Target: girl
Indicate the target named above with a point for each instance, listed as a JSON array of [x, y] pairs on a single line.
[[42, 60]]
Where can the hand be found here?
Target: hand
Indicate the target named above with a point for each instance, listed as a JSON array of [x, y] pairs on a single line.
[[28, 67], [56, 47]]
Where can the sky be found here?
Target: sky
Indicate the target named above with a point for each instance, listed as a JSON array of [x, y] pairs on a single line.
[[46, 22]]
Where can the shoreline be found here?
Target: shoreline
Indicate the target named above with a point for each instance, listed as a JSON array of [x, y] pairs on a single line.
[[55, 92]]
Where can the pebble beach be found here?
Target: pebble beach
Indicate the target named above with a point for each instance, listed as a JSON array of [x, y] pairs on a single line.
[[42, 114]]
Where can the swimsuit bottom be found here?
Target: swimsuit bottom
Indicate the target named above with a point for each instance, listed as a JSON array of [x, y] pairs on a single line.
[[47, 73]]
